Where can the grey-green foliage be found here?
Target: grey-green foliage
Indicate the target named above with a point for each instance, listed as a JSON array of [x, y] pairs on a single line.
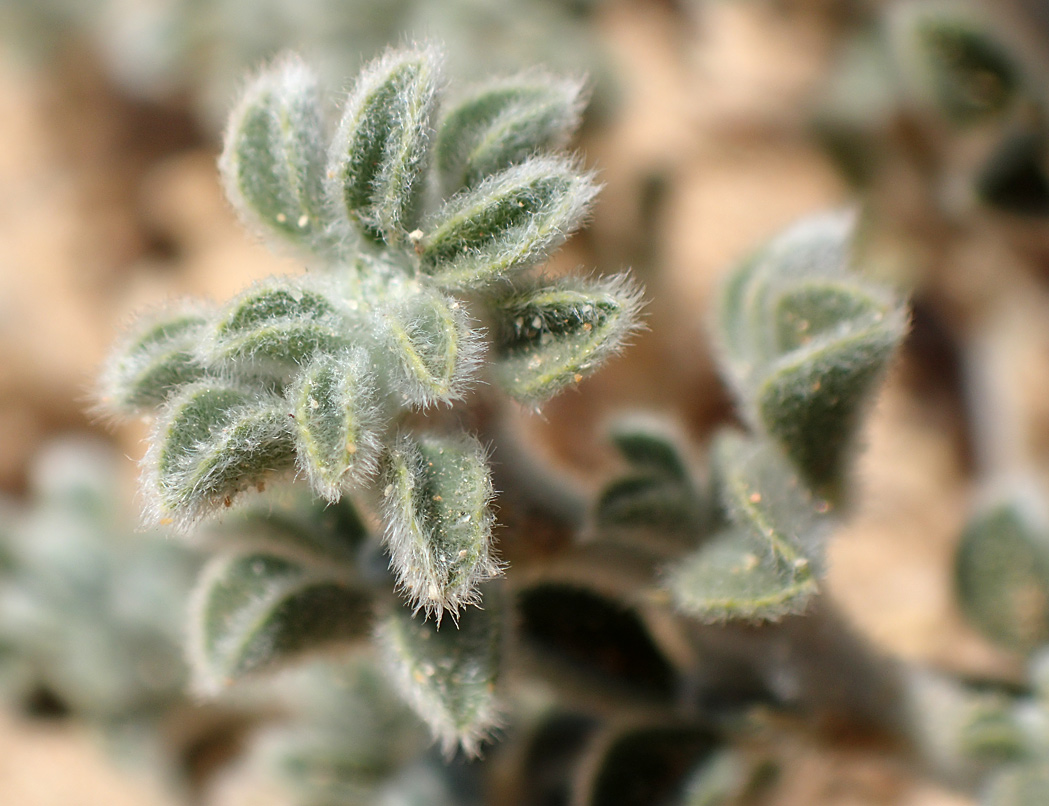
[[90, 611], [449, 677], [804, 340], [659, 492], [423, 225], [767, 559]]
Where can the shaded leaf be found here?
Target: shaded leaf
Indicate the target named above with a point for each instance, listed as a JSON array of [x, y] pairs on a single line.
[[639, 766], [1013, 178], [550, 338], [649, 501], [650, 446], [449, 674], [589, 633], [509, 221], [956, 61], [255, 612], [435, 504]]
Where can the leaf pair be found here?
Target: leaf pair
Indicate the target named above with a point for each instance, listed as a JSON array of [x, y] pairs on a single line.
[[805, 341]]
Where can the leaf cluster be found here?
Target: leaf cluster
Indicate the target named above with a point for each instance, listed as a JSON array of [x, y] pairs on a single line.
[[424, 224]]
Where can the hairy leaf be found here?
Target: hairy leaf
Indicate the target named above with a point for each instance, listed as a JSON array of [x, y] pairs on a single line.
[[449, 674], [764, 497], [734, 576], [805, 341], [378, 158], [336, 422], [435, 504], [157, 358], [503, 123], [277, 326], [767, 564], [649, 501], [434, 350], [272, 159], [509, 221], [552, 337], [213, 442], [649, 445], [257, 611]]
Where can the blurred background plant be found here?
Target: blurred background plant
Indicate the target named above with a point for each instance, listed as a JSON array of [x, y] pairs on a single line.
[[728, 119]]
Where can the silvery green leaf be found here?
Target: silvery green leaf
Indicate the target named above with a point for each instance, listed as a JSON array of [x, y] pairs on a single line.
[[501, 124], [212, 442], [277, 326], [552, 337], [436, 507], [511, 220], [432, 347], [764, 497], [255, 612], [1002, 572], [378, 159], [767, 564], [157, 358], [272, 159], [336, 422], [449, 673], [734, 576], [804, 341]]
